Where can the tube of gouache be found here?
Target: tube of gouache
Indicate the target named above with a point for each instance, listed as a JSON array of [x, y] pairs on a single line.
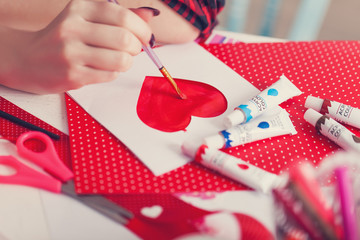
[[233, 167], [338, 111], [266, 126], [333, 130], [277, 93]]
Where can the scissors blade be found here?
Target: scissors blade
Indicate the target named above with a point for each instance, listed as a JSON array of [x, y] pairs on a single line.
[[99, 203]]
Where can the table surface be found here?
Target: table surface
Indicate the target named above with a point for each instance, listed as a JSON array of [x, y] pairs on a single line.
[[27, 213]]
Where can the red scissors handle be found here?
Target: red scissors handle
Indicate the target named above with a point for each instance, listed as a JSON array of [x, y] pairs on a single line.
[[25, 175], [48, 159]]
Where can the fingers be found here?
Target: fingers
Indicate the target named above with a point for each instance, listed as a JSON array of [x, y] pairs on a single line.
[[105, 59], [110, 26], [112, 14], [110, 37], [87, 75], [146, 13], [76, 78], [89, 42]]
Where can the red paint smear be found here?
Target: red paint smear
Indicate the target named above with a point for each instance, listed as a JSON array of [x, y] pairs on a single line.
[[160, 107], [243, 166]]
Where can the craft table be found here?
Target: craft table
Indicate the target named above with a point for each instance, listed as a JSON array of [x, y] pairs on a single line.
[[27, 213]]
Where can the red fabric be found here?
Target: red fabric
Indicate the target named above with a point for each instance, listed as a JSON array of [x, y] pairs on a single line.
[[201, 13], [252, 228], [175, 219]]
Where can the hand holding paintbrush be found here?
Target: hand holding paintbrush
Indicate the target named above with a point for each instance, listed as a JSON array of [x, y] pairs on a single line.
[[148, 49]]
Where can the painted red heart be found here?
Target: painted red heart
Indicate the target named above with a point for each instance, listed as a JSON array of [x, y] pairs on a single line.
[[160, 107]]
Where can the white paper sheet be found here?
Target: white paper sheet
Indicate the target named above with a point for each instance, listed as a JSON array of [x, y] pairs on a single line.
[[113, 104]]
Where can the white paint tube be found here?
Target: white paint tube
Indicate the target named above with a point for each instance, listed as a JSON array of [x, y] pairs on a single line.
[[338, 111], [233, 167], [333, 130], [266, 126], [272, 96]]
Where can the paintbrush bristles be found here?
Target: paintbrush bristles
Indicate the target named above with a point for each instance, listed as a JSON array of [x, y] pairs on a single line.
[[166, 74], [163, 70]]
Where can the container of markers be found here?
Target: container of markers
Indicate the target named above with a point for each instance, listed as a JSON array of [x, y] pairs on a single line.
[[320, 202]]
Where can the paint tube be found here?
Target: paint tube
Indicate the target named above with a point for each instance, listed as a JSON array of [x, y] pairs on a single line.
[[265, 126], [272, 96], [333, 130], [233, 167], [339, 111]]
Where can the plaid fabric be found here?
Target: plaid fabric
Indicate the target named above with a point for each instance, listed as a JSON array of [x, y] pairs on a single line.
[[201, 13]]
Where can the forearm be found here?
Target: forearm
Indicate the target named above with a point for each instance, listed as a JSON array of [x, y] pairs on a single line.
[[168, 27], [29, 14], [10, 43]]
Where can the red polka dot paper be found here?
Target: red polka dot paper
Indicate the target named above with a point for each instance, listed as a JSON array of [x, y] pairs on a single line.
[[326, 69], [103, 164], [12, 131]]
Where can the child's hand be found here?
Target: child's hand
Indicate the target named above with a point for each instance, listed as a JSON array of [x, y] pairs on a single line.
[[88, 42]]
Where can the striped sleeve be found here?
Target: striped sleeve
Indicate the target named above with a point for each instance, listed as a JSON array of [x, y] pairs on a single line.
[[201, 13]]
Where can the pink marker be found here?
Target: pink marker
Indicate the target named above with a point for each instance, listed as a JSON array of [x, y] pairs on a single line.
[[233, 167], [347, 203]]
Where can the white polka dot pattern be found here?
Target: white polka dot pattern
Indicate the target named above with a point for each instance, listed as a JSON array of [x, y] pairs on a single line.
[[102, 164], [12, 131], [327, 69]]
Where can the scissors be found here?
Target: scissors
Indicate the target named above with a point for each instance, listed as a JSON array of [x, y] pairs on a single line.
[[60, 176]]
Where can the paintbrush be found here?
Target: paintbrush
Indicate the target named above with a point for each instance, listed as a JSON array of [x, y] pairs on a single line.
[[156, 60], [163, 70]]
